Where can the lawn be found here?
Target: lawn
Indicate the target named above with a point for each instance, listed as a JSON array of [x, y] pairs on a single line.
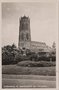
[[14, 76], [18, 70]]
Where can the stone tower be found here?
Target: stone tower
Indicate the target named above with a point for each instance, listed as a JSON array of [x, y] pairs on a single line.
[[24, 33]]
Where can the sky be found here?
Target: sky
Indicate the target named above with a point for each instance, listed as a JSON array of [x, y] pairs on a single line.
[[42, 21]]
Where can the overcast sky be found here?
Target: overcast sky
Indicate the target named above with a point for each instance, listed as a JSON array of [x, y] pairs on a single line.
[[42, 21]]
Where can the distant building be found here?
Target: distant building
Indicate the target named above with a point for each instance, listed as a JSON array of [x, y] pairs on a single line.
[[25, 37]]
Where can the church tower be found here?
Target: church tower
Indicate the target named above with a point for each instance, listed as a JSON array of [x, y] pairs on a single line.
[[24, 33]]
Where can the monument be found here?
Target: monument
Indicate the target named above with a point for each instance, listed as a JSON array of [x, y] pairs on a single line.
[[25, 37], [24, 33]]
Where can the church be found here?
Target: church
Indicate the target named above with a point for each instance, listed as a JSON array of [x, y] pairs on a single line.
[[25, 37]]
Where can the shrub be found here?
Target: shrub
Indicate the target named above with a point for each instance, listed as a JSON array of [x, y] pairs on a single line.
[[8, 54], [7, 58], [36, 64], [11, 55]]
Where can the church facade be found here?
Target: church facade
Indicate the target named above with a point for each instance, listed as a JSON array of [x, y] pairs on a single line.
[[25, 37]]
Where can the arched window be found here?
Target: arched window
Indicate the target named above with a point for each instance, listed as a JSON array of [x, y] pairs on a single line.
[[22, 26], [27, 36], [22, 36]]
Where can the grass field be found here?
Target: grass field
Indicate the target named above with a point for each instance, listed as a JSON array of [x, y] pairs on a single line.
[[14, 69], [18, 77]]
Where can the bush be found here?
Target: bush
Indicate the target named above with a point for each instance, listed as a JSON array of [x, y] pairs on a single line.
[[11, 55], [7, 58], [8, 54], [36, 64]]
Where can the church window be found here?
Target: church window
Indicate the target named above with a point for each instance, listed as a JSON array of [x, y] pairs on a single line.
[[22, 36], [27, 36]]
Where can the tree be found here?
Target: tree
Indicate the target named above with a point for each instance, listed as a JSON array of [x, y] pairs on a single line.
[[8, 54], [54, 45]]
